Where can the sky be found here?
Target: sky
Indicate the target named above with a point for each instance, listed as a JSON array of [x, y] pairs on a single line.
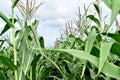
[[52, 16]]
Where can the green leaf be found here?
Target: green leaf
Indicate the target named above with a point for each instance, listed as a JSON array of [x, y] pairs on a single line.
[[33, 29], [115, 10], [95, 51], [29, 55], [106, 28], [26, 54], [114, 36], [6, 61], [94, 19], [115, 49], [34, 65], [109, 69], [2, 76], [90, 40], [53, 62], [97, 7], [1, 68], [35, 24], [14, 3], [7, 27], [75, 69], [79, 40], [6, 19], [44, 73], [99, 38], [41, 41], [108, 3], [104, 51], [16, 33]]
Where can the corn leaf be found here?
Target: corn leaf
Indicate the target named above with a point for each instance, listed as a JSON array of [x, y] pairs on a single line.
[[6, 61], [109, 69], [44, 73], [104, 51], [97, 8], [115, 6], [14, 3], [115, 49], [27, 54], [106, 28], [7, 27], [115, 10], [108, 3], [6, 19], [41, 41], [94, 19], [90, 40], [34, 65], [35, 24], [2, 76], [114, 36]]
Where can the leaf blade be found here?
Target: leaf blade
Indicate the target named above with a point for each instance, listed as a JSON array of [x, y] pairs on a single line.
[[94, 19], [14, 3], [6, 19], [115, 10], [7, 27], [104, 51], [109, 69], [6, 61]]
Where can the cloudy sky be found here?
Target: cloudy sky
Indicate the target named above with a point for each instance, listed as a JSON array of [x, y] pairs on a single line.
[[52, 15]]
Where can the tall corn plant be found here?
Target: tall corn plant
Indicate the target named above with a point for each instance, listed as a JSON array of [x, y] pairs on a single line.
[[99, 43], [22, 40], [27, 47], [11, 24], [94, 57]]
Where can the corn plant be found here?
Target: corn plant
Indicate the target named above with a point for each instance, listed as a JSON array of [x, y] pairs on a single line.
[[99, 43], [22, 39], [91, 54]]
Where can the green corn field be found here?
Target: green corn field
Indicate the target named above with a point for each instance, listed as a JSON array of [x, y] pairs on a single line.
[[89, 51]]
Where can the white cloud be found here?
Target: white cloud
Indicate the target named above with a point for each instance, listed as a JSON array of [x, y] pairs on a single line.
[[55, 22], [52, 14], [62, 11]]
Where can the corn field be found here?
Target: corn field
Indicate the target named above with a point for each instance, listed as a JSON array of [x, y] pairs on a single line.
[[85, 52]]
